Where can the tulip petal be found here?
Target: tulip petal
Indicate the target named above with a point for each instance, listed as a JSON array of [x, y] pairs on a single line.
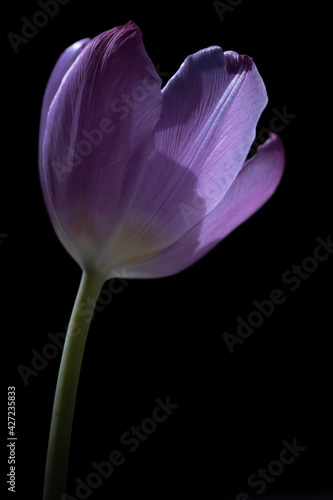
[[61, 67], [98, 135], [139, 182], [210, 111], [253, 186]]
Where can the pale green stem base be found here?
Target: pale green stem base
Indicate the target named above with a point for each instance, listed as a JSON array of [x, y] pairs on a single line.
[[68, 378]]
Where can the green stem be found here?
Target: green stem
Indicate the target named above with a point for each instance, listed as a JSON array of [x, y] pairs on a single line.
[[68, 378]]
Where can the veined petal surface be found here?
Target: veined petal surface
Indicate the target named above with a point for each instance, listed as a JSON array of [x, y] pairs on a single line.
[[98, 135], [253, 186]]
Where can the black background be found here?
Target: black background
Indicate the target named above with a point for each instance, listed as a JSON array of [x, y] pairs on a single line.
[[160, 338]]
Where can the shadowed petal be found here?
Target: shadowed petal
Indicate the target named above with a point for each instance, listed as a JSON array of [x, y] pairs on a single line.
[[98, 135], [254, 185], [210, 111]]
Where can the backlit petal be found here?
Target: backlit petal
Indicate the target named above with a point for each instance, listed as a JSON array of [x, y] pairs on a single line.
[[254, 185]]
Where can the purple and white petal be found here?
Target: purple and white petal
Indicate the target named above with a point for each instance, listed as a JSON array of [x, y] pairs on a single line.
[[210, 111], [253, 186]]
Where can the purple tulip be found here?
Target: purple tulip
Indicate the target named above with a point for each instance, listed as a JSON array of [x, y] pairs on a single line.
[[141, 182]]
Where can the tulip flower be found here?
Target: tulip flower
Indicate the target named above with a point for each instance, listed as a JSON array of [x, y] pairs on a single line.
[[141, 182]]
